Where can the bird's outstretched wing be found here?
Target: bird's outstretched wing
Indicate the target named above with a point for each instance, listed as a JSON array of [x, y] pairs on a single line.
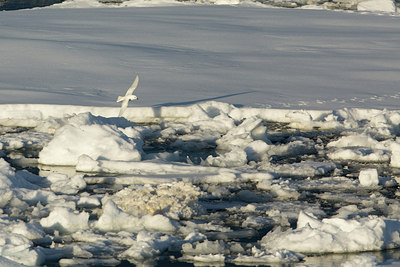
[[123, 108], [133, 86]]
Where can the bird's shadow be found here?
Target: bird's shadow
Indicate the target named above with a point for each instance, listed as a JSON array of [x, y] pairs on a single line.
[[200, 100]]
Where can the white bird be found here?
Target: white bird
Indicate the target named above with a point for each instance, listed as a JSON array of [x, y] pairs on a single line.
[[128, 96]]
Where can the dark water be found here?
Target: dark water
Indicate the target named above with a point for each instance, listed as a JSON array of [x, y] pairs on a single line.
[[22, 4]]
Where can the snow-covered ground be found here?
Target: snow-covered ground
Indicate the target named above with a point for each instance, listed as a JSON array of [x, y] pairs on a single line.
[[261, 136], [279, 58]]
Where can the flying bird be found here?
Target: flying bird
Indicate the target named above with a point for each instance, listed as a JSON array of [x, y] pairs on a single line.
[[128, 96]]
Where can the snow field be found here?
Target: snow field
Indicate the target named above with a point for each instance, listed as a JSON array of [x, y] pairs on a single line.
[[254, 172]]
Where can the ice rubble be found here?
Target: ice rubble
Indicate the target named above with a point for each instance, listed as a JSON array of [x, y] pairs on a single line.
[[262, 161], [176, 200]]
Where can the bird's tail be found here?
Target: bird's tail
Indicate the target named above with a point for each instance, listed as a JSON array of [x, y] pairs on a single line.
[[120, 98]]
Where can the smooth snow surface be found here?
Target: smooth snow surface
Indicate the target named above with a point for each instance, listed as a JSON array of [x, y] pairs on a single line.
[[261, 136], [279, 58]]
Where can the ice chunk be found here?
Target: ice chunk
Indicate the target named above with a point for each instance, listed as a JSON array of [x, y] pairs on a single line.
[[208, 259], [280, 189], [234, 158], [96, 141], [89, 202], [360, 155], [31, 230], [359, 140], [176, 200], [336, 235], [158, 223], [307, 219], [260, 133], [260, 256], [205, 247], [395, 156], [65, 220], [377, 6], [368, 177], [194, 236], [148, 245], [8, 179], [300, 119], [18, 248], [62, 184], [257, 150], [243, 134], [114, 219]]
